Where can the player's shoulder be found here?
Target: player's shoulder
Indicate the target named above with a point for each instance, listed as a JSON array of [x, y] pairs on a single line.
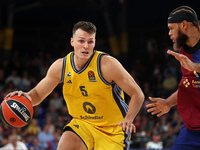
[[58, 62], [108, 60], [56, 66]]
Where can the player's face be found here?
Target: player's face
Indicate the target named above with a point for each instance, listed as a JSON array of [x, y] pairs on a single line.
[[181, 39], [173, 31], [83, 44], [178, 37]]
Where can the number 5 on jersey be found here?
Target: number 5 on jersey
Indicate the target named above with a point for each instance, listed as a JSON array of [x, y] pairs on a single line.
[[83, 91]]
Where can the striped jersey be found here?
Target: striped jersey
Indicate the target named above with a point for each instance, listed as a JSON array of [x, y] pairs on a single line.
[[89, 96], [188, 100]]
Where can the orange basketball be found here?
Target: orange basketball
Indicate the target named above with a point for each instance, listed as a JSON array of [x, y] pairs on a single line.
[[16, 111]]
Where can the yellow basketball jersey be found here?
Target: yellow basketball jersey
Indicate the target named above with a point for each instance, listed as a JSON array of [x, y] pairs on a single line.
[[89, 96]]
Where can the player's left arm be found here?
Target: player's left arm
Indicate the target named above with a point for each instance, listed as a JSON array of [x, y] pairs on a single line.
[[112, 70], [185, 61]]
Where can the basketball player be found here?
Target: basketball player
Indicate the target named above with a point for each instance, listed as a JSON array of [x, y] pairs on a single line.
[[184, 30], [93, 85]]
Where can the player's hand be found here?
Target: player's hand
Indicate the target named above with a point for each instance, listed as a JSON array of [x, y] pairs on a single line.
[[159, 106], [184, 60], [127, 126], [19, 93]]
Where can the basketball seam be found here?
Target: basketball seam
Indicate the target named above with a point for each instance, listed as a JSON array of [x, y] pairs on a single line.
[[14, 112], [5, 118]]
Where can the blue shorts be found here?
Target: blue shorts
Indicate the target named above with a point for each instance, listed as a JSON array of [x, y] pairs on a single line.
[[187, 140]]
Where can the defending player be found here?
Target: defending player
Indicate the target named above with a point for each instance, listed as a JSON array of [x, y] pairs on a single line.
[[184, 30], [93, 85]]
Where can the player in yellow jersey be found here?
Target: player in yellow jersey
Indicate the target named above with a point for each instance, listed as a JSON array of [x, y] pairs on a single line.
[[93, 85]]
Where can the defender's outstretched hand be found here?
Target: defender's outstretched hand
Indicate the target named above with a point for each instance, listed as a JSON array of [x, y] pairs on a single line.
[[159, 106], [184, 60]]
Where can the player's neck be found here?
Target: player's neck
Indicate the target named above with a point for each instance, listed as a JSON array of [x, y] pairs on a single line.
[[194, 36], [79, 63], [192, 41]]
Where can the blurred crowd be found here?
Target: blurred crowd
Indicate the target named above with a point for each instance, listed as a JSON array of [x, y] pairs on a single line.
[[156, 72]]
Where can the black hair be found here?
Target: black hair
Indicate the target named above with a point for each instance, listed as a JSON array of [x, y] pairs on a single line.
[[184, 13]]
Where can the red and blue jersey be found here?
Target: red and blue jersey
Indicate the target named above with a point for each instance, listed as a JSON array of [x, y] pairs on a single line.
[[188, 99]]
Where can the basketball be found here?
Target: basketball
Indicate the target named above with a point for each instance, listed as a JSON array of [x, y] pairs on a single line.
[[16, 111]]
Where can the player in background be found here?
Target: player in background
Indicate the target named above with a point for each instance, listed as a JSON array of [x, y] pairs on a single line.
[[93, 85], [184, 31]]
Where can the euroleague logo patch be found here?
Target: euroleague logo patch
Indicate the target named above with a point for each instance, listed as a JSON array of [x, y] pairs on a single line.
[[91, 76], [12, 120]]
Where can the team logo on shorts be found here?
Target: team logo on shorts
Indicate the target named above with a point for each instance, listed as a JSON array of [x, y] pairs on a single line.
[[89, 108], [91, 76]]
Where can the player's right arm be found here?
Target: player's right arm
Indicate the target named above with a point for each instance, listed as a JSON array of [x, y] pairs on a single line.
[[45, 86], [162, 106]]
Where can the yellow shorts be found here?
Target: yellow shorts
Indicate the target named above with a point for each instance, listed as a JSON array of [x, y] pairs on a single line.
[[100, 138]]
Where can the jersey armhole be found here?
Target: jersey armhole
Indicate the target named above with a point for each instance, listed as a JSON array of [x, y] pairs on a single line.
[[99, 69], [63, 69]]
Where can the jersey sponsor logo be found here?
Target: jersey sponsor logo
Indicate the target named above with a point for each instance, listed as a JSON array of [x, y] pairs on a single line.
[[91, 117], [89, 108], [91, 76], [193, 83], [196, 84], [186, 83], [69, 77]]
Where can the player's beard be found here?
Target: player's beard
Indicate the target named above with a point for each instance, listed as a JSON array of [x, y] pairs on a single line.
[[180, 40]]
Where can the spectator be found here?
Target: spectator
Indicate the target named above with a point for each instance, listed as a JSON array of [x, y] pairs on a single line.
[[9, 87], [147, 125], [49, 121], [27, 140], [14, 78], [169, 137], [39, 113], [14, 144], [170, 83], [44, 136], [170, 68], [137, 122], [25, 84], [33, 127], [2, 79], [155, 143], [4, 140], [54, 143], [164, 125], [52, 112], [56, 100], [35, 145], [60, 123], [1, 133]]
